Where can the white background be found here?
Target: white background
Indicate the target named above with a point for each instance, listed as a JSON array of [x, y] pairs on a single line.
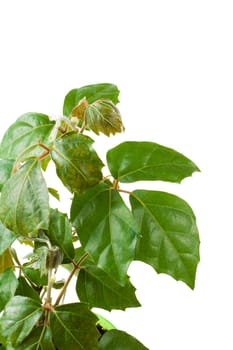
[[173, 62]]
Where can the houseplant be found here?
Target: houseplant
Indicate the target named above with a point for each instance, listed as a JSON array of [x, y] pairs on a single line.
[[100, 237]]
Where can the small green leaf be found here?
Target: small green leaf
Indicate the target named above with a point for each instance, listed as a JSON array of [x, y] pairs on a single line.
[[60, 233], [74, 327], [6, 167], [8, 285], [77, 164], [92, 93], [104, 323], [119, 340], [28, 130], [100, 116], [147, 161], [6, 238], [169, 239], [6, 261], [106, 228], [19, 317], [98, 289], [24, 203], [54, 193], [39, 339], [34, 275], [26, 290]]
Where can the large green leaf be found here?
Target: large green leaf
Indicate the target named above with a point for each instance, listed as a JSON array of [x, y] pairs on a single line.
[[24, 202], [74, 327], [169, 239], [98, 289], [7, 237], [28, 130], [8, 285], [106, 228], [119, 340], [19, 317], [39, 339], [60, 233], [26, 290], [6, 167], [77, 163], [92, 93], [147, 161]]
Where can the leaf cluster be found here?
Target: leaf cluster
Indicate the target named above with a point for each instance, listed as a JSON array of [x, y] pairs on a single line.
[[99, 237]]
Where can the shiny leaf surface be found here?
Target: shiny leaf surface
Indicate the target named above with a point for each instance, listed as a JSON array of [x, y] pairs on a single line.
[[92, 93], [39, 339], [147, 161], [74, 327], [8, 285], [60, 232], [25, 210], [19, 317], [119, 340], [77, 164], [28, 130], [98, 289], [169, 237], [26, 290], [106, 228]]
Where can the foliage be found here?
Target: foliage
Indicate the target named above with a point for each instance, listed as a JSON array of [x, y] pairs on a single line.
[[99, 238]]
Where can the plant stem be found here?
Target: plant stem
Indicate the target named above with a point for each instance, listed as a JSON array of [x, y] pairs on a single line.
[[76, 266]]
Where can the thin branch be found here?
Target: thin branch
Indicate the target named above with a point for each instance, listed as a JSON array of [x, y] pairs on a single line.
[[76, 266]]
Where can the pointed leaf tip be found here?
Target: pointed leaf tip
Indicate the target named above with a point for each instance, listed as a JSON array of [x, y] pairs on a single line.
[[148, 161]]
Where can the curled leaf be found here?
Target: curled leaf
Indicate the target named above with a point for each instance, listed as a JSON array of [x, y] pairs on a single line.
[[100, 116]]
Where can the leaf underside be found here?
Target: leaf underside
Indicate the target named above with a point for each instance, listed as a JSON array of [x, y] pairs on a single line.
[[119, 340]]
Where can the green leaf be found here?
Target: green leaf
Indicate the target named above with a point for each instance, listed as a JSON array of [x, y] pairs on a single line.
[[6, 238], [34, 275], [24, 203], [169, 239], [6, 261], [19, 317], [26, 290], [8, 285], [39, 339], [54, 193], [100, 116], [104, 323], [6, 167], [119, 340], [92, 93], [74, 327], [77, 164], [60, 233], [106, 228], [98, 289], [28, 130], [147, 161]]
